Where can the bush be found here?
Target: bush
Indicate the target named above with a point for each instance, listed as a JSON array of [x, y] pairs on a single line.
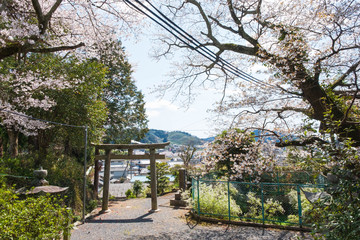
[[129, 194], [32, 218], [272, 208], [63, 171], [306, 206], [214, 200]]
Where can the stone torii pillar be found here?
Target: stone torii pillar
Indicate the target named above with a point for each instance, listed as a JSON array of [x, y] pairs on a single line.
[[106, 186], [153, 182], [130, 156]]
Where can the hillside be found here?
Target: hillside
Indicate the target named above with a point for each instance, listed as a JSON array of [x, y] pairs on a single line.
[[175, 137]]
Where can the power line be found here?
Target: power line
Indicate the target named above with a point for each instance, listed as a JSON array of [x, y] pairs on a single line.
[[202, 46], [38, 119], [198, 47]]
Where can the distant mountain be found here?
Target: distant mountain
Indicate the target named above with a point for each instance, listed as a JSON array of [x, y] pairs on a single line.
[[175, 137]]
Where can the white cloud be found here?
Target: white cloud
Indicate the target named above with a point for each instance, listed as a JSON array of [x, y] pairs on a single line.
[[152, 113]]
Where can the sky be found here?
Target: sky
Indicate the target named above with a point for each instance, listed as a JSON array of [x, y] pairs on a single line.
[[165, 113]]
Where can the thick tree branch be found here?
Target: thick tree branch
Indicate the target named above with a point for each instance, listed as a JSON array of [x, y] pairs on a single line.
[[340, 80], [252, 51], [44, 19], [55, 49], [241, 30], [299, 143]]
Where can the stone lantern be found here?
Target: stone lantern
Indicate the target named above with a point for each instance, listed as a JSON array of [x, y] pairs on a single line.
[[40, 184]]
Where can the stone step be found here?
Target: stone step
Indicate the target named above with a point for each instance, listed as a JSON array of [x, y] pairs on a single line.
[[177, 196], [178, 203]]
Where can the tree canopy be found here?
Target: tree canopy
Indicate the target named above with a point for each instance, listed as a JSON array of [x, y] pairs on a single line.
[[307, 52], [125, 103], [43, 26]]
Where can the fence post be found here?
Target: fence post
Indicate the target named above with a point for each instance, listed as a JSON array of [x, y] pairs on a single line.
[[198, 195], [192, 189], [299, 204], [278, 183], [262, 203], [228, 183]]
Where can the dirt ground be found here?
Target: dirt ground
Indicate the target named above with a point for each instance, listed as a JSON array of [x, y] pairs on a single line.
[[130, 219]]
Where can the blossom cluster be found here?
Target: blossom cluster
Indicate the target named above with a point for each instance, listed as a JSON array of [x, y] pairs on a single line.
[[240, 151], [27, 91]]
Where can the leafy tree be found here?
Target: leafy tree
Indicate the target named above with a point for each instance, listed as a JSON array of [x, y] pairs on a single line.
[[162, 169], [308, 50], [126, 107], [80, 105], [137, 187], [53, 88]]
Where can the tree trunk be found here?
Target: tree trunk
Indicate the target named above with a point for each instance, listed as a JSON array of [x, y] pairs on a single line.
[[321, 103], [13, 142]]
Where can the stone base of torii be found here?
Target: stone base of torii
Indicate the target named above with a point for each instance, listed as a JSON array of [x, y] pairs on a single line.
[[130, 156]]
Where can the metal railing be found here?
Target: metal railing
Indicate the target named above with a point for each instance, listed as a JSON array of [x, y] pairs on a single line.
[[276, 203]]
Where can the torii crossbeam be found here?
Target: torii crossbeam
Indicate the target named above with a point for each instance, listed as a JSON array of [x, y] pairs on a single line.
[[130, 147]]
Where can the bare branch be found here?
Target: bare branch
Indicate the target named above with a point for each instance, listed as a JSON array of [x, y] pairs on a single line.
[[342, 77]]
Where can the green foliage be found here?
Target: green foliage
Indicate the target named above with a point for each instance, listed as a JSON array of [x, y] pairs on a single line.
[[63, 171], [162, 169], [126, 119], [80, 105], [340, 218], [174, 171], [91, 205], [39, 217], [137, 187], [272, 208], [306, 206], [214, 200], [129, 194]]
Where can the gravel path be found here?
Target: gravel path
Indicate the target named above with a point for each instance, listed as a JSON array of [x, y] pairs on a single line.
[[130, 219]]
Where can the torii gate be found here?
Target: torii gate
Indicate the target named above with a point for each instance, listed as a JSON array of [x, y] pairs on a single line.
[[130, 147]]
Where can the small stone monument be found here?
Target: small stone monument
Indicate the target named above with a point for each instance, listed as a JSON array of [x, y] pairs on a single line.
[[40, 184]]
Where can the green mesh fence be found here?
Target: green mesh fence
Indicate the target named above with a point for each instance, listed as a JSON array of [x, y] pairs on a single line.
[[274, 203], [301, 177]]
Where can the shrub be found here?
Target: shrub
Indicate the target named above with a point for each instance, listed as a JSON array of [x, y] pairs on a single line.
[[272, 208], [32, 218], [306, 206], [129, 194], [214, 200]]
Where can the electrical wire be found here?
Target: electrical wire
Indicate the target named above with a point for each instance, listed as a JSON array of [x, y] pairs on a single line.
[[38, 119], [197, 46]]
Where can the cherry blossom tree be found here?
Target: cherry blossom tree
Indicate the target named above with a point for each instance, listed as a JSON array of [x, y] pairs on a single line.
[[306, 51], [30, 27], [235, 154], [44, 26], [24, 90]]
